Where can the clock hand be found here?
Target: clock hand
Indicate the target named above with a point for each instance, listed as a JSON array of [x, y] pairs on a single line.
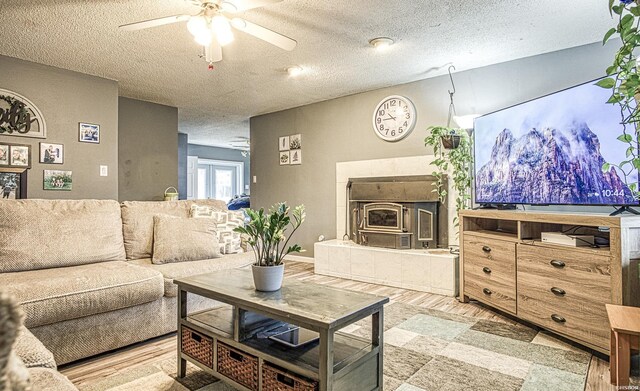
[[390, 117]]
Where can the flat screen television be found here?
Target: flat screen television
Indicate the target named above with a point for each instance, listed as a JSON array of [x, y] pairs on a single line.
[[550, 151]]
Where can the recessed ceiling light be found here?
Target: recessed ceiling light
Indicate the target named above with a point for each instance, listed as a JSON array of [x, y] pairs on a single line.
[[381, 43], [294, 70]]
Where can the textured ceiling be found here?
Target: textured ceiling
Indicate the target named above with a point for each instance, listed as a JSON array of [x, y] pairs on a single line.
[[162, 64]]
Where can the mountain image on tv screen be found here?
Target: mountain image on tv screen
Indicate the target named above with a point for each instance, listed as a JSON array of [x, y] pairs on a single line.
[[551, 151]]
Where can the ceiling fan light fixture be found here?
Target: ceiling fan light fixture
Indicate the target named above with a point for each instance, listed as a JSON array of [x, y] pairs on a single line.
[[197, 25], [221, 27], [381, 43]]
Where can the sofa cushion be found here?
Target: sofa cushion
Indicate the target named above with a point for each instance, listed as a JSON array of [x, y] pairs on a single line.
[[41, 234], [45, 379], [172, 271], [32, 352], [137, 222], [178, 239], [54, 295]]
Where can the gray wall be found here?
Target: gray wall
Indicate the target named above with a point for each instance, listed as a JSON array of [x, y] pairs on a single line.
[[65, 99], [148, 149], [340, 129], [227, 154], [183, 153]]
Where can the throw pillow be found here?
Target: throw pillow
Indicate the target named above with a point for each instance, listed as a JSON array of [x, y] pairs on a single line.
[[177, 239], [226, 222]]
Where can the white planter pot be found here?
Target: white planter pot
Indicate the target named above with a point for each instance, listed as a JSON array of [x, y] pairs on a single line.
[[268, 278]]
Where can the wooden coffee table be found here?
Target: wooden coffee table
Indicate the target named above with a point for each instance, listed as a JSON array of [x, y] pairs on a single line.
[[338, 361]]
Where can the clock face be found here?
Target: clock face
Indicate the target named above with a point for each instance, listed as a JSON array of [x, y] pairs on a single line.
[[394, 118]]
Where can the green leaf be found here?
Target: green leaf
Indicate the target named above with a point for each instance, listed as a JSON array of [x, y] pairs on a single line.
[[611, 6], [609, 82], [608, 35], [636, 163], [626, 21], [635, 11], [606, 167], [629, 151], [617, 9], [625, 138]]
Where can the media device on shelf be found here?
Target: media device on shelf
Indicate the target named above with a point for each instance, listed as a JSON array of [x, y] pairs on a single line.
[[550, 151]]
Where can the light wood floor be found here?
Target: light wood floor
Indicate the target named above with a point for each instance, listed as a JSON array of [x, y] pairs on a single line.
[[87, 372]]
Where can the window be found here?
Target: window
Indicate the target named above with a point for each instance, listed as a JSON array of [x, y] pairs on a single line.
[[219, 180]]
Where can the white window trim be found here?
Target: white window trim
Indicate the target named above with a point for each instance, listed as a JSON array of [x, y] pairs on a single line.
[[239, 166]]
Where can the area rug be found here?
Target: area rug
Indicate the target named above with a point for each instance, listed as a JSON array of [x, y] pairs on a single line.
[[424, 350]]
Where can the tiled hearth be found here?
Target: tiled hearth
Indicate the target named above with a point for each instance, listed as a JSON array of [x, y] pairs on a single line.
[[433, 271]]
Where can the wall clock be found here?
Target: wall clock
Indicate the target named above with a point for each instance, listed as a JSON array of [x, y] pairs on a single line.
[[394, 118]]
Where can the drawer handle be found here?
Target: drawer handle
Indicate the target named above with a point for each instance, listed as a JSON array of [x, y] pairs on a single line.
[[558, 318], [486, 270], [286, 380], [487, 291], [558, 291], [196, 338], [558, 264], [236, 356], [486, 249]]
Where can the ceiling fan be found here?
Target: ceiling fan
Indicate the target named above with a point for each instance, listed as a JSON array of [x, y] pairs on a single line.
[[211, 27]]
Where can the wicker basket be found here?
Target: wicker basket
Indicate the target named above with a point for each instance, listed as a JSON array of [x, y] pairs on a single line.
[[197, 346], [237, 366], [275, 379]]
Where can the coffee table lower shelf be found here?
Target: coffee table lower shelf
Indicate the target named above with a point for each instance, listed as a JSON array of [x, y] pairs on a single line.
[[356, 360]]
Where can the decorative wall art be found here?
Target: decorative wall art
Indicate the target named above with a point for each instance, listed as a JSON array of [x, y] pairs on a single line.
[[15, 155], [13, 184], [290, 149], [89, 133], [20, 117], [58, 180], [295, 141], [284, 158], [51, 153], [283, 143], [296, 157]]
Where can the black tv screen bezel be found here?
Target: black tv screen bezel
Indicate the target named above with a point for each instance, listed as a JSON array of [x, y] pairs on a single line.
[[475, 184]]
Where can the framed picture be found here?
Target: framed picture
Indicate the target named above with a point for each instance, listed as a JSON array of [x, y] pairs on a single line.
[[283, 143], [89, 133], [284, 158], [296, 157], [4, 155], [51, 153], [58, 180], [13, 184], [295, 141], [20, 156]]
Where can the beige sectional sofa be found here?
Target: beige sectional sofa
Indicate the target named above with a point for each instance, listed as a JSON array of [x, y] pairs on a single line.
[[82, 272]]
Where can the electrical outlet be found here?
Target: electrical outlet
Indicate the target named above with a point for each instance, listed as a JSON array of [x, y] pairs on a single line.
[[104, 171], [255, 179]]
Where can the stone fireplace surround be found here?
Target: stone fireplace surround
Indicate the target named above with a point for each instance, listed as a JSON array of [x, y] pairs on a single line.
[[434, 271]]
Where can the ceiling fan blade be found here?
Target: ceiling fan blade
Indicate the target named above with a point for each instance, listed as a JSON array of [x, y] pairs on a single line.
[[244, 5], [213, 53], [154, 22], [265, 34]]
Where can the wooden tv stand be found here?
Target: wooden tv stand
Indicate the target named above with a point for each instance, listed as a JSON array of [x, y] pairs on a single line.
[[505, 264]]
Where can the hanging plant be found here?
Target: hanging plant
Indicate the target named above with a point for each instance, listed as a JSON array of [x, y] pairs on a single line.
[[623, 79], [457, 160]]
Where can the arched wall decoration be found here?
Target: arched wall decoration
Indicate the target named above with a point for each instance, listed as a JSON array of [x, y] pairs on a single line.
[[20, 117]]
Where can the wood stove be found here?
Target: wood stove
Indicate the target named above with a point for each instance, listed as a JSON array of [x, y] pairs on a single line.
[[396, 212]]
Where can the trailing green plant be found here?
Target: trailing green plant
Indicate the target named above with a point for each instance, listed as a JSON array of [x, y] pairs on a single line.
[[458, 160], [623, 79], [266, 233]]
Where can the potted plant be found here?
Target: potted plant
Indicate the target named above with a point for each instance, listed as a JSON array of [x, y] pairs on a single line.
[[457, 159], [623, 78], [266, 235]]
